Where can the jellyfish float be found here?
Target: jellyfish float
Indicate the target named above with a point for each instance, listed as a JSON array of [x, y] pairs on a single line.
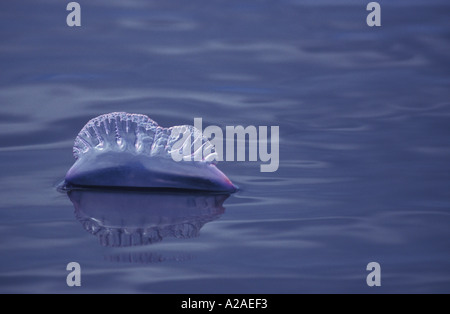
[[131, 151]]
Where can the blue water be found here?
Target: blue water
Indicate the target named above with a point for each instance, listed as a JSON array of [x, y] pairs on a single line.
[[364, 116]]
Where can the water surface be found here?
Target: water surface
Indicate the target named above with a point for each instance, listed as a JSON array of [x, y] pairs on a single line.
[[364, 142]]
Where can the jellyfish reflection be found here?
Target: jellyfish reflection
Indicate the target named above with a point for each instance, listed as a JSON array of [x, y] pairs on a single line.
[[130, 218]]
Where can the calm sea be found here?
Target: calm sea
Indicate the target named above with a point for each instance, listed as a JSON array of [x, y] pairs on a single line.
[[364, 117]]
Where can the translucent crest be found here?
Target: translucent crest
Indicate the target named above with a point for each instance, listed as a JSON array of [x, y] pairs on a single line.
[[138, 134]]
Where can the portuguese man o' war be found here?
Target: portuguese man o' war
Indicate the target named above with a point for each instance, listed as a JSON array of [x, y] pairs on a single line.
[[123, 150]]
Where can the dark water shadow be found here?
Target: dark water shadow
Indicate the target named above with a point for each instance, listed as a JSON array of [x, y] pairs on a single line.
[[137, 218]]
